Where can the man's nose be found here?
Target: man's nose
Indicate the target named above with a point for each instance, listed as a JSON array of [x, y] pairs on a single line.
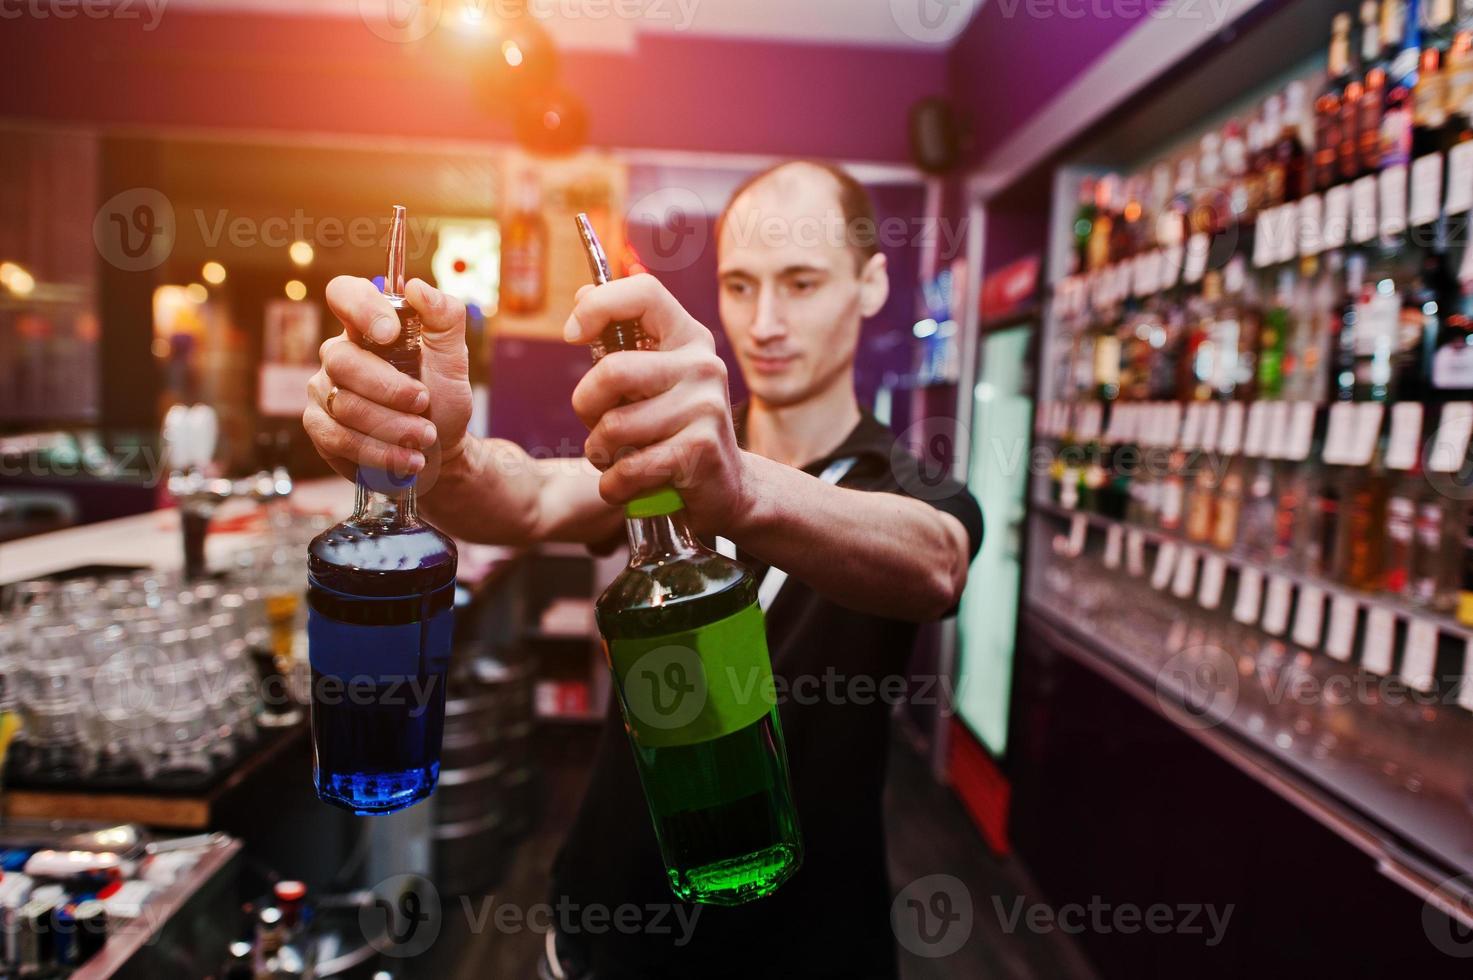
[[768, 324]]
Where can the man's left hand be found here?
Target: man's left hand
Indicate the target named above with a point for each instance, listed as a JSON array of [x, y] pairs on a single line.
[[659, 418]]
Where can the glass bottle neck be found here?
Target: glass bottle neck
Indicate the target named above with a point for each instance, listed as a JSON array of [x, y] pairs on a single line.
[[654, 539], [384, 499]]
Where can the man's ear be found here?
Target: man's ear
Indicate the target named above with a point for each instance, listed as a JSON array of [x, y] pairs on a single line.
[[874, 285]]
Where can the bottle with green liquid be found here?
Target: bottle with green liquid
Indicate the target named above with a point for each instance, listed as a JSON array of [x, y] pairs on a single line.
[[687, 645]]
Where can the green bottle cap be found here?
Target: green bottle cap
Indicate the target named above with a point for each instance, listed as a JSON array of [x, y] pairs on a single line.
[[658, 504]]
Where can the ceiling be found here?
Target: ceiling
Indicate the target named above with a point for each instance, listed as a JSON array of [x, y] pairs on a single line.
[[592, 23]]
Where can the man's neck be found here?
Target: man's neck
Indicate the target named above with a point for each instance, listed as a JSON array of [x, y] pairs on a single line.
[[801, 433]]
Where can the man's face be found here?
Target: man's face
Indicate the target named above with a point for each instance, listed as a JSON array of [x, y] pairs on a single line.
[[792, 292]]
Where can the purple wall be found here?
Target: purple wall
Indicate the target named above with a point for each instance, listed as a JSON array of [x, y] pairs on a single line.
[[333, 75]]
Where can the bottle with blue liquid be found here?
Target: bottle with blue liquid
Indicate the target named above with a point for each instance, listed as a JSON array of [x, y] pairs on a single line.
[[380, 587]]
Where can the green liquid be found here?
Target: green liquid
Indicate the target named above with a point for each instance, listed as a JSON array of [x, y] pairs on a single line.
[[722, 808]]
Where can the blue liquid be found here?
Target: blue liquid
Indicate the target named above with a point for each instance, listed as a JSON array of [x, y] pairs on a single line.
[[379, 628]]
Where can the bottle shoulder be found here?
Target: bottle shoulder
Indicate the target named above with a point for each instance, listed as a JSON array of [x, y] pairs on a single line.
[[416, 553], [661, 597]]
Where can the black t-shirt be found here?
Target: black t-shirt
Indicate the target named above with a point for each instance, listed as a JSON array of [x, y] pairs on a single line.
[[831, 919]]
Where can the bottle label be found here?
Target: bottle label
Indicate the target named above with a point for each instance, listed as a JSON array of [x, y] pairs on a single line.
[[691, 687], [381, 654]]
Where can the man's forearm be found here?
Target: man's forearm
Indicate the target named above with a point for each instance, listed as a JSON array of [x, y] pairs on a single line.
[[494, 492], [873, 552]]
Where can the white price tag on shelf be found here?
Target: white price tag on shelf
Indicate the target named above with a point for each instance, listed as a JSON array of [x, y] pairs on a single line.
[[1214, 574], [1264, 246], [1135, 553], [1465, 689], [1078, 531], [1368, 416], [1184, 579], [1276, 605], [1339, 433], [1310, 221], [1250, 595], [1114, 542], [1392, 187], [1450, 446], [1301, 431], [1406, 436], [1340, 642], [1198, 247], [1426, 194], [1380, 643], [1171, 261], [1276, 438], [1231, 440], [1309, 616], [1459, 179], [1211, 424], [1363, 210], [1171, 413], [1335, 227], [1255, 441], [1191, 427], [1165, 564], [1287, 239], [1419, 660]]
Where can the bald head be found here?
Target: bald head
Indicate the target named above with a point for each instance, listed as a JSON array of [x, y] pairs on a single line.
[[839, 208]]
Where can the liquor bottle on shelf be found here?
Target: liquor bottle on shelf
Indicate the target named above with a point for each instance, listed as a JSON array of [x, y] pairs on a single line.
[[1209, 203], [1295, 504], [680, 618], [1429, 106], [1370, 47], [524, 250], [1203, 502], [1464, 608], [1438, 25], [1290, 159], [1346, 325], [1362, 530], [1273, 337], [1347, 132], [380, 587], [1256, 525], [1435, 554], [1229, 506], [1172, 493], [1244, 182], [1399, 536], [1451, 372], [1102, 228], [1338, 66], [1084, 220]]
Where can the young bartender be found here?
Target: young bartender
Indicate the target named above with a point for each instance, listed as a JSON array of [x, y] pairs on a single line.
[[800, 479]]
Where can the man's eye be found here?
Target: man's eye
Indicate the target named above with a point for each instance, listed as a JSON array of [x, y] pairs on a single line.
[[737, 288], [804, 285]]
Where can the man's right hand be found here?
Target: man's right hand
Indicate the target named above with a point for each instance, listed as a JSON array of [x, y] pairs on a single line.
[[381, 417]]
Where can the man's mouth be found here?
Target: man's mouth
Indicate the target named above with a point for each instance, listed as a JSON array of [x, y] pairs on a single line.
[[770, 363]]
